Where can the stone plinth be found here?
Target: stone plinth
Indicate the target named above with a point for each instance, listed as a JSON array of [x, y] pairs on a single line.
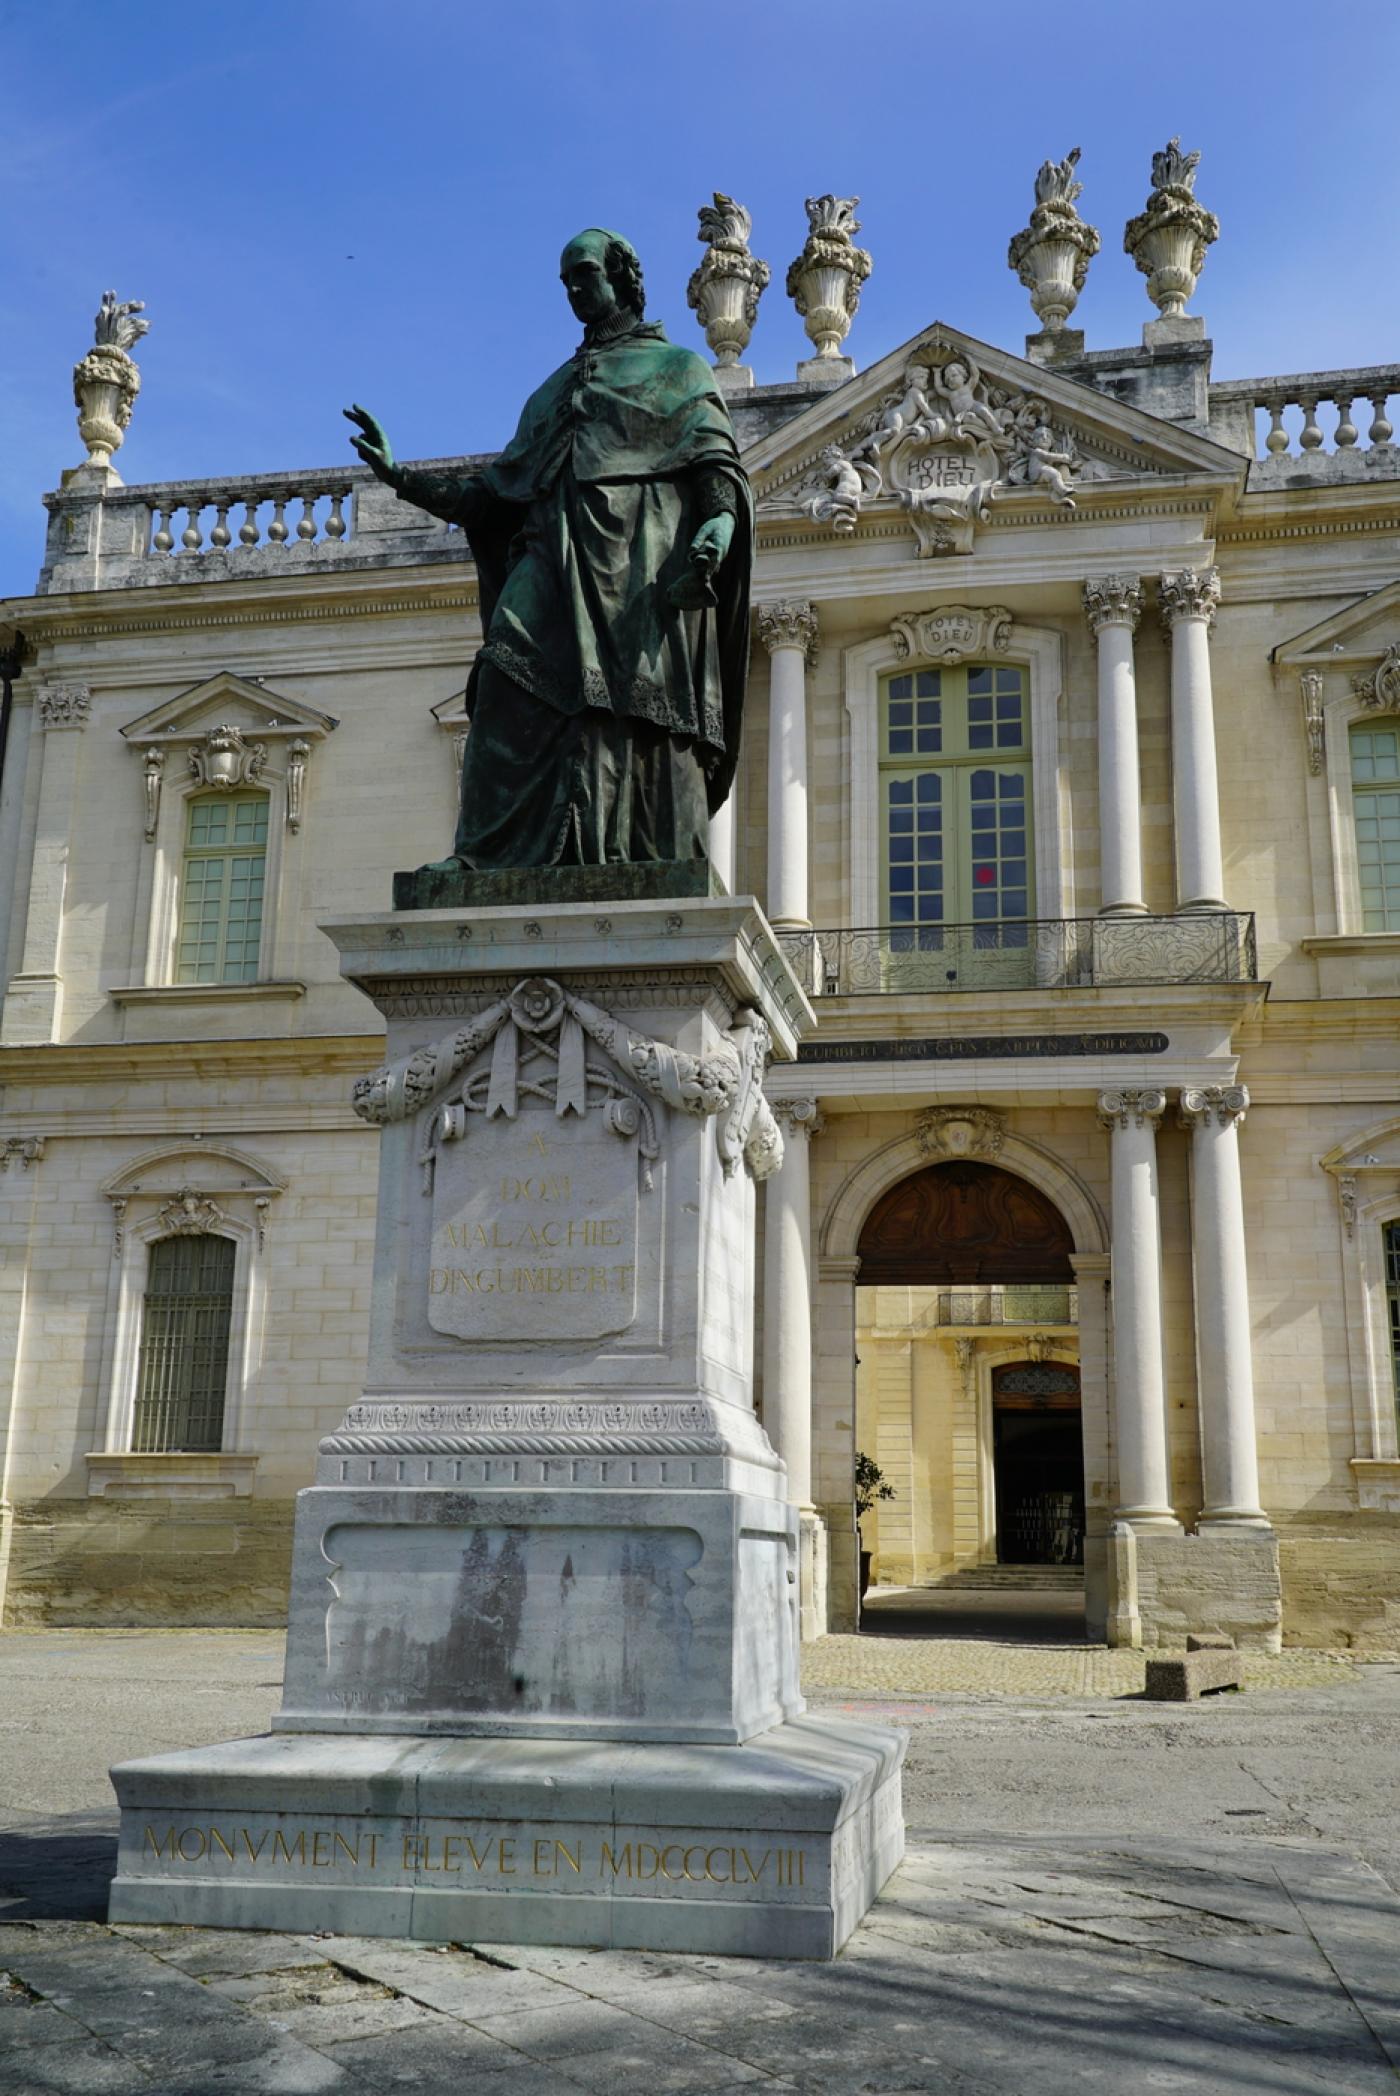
[[545, 1586]]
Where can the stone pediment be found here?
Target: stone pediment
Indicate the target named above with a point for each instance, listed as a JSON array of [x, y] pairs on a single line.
[[1361, 634], [228, 700], [946, 428]]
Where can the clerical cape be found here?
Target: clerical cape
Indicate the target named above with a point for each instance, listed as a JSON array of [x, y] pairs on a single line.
[[579, 529]]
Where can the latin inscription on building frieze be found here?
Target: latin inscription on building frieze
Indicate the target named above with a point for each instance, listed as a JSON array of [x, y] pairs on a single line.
[[983, 1047], [485, 1856]]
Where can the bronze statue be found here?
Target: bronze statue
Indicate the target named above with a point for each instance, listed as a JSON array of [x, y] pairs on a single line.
[[613, 543]]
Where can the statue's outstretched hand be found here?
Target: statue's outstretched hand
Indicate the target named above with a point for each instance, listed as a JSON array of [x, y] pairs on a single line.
[[371, 443]]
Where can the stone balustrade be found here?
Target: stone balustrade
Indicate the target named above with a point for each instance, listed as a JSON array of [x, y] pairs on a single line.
[[265, 511], [104, 536], [1339, 422]]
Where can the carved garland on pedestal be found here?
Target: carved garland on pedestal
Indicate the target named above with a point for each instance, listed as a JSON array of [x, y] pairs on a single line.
[[726, 1084]]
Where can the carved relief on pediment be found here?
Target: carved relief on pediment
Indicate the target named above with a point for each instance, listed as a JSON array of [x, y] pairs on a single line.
[[943, 445]]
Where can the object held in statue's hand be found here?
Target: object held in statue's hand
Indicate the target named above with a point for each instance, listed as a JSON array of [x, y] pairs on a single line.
[[693, 591]]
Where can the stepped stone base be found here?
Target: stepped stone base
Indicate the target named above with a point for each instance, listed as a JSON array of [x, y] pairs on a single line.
[[774, 1849]]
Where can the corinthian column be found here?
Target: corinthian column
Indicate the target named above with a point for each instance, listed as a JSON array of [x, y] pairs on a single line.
[[787, 1299], [1112, 606], [789, 632], [1188, 599], [1140, 1406], [1229, 1461]]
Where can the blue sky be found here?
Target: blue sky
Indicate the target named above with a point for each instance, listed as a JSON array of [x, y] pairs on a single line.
[[365, 199]]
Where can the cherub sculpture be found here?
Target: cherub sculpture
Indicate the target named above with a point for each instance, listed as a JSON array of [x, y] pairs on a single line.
[[906, 414], [848, 482], [971, 420], [1039, 460]]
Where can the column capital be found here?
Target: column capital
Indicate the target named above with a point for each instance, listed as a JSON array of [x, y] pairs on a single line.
[[23, 1150], [1188, 593], [1137, 1105], [790, 624], [64, 705], [1223, 1103], [1112, 600], [798, 1116]]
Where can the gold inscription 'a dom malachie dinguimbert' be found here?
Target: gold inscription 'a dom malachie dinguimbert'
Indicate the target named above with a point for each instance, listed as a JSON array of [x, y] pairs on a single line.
[[500, 1855]]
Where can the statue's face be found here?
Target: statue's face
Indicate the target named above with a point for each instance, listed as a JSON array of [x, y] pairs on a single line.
[[583, 273], [955, 374]]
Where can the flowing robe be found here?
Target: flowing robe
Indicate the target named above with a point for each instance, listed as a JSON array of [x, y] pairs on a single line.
[[605, 720]]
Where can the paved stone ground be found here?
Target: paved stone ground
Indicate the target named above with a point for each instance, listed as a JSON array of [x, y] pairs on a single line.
[[1215, 1911]]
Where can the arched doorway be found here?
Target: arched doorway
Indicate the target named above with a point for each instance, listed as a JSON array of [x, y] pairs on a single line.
[[968, 1381]]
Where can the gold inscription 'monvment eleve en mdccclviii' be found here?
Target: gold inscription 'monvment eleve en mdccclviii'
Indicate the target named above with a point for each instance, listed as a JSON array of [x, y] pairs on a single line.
[[497, 1855]]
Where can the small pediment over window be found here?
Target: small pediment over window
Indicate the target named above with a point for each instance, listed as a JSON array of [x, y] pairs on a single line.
[[228, 700], [1357, 639]]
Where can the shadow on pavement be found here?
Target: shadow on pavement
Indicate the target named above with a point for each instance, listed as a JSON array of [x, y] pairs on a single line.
[[1007, 1619], [57, 1871]]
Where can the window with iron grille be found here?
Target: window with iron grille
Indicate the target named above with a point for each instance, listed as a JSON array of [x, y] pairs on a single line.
[[184, 1345], [1391, 1238], [221, 888]]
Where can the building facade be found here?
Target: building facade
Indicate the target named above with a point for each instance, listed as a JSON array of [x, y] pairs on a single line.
[[1071, 781]]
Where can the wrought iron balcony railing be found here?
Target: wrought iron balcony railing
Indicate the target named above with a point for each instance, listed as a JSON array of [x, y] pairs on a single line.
[[1039, 953], [1034, 1303]]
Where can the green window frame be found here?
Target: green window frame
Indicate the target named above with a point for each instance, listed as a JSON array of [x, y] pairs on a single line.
[[955, 803], [222, 878], [186, 1318], [1375, 791]]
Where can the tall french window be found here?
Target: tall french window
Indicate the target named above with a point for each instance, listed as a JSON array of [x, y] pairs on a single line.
[[221, 888], [183, 1366], [1375, 780], [955, 788]]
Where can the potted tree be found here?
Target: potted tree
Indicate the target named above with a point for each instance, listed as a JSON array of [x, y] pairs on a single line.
[[870, 1486]]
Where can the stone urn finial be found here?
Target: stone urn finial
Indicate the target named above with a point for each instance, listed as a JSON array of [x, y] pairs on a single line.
[[1052, 254], [824, 284], [106, 382], [1168, 240], [724, 291]]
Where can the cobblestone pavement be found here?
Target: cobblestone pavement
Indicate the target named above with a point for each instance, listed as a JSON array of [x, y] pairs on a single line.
[[915, 1664], [985, 1967], [1215, 1912]]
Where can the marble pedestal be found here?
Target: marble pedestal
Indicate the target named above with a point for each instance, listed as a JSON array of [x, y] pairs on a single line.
[[542, 1660]]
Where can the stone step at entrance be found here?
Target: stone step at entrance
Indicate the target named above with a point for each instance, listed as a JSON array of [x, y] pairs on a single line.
[[1008, 1579]]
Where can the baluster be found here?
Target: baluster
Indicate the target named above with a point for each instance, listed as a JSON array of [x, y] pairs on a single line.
[[1277, 439], [1346, 428], [1380, 431], [306, 529], [164, 540], [192, 538], [335, 522], [248, 532], [1311, 438], [277, 529], [221, 536]]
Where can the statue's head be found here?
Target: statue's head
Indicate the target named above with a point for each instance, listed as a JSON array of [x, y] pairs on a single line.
[[601, 272]]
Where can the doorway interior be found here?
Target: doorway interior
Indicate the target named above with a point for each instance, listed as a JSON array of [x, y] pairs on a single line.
[[968, 1399]]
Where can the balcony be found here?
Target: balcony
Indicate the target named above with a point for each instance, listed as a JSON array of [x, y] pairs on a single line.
[[1041, 953], [973, 1308]]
